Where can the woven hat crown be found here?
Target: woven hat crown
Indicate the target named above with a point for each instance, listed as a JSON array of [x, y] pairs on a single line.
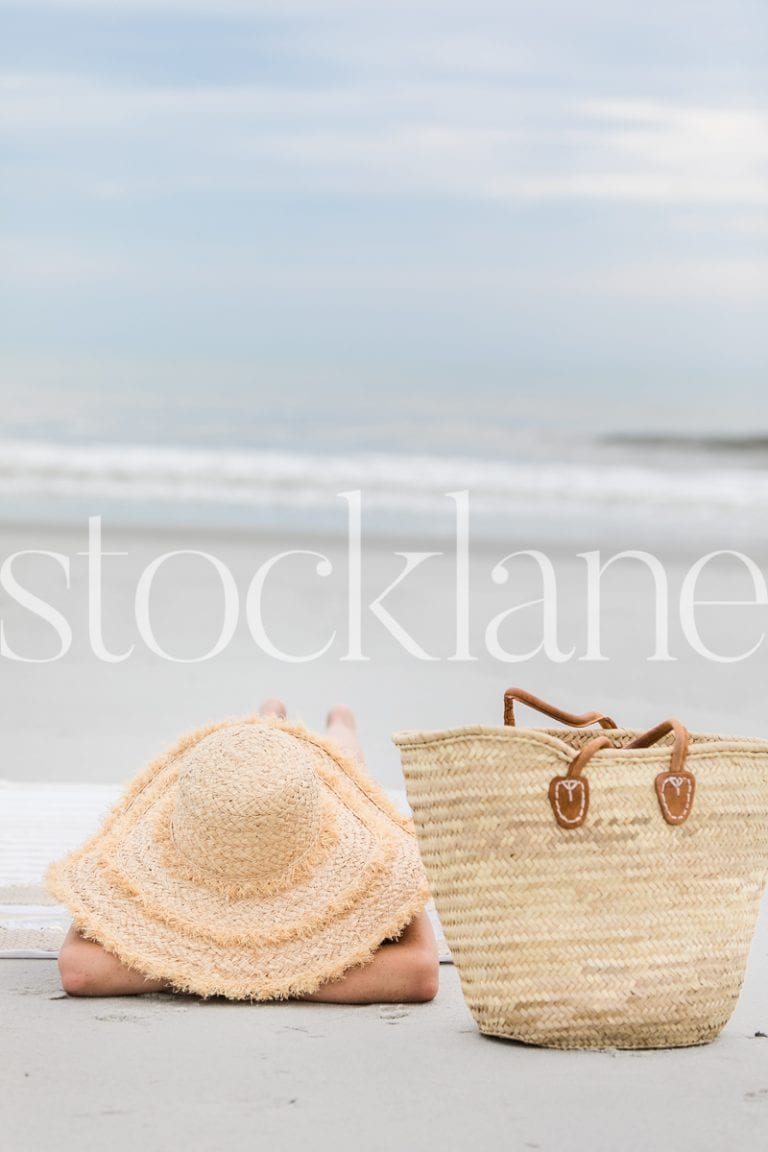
[[248, 804]]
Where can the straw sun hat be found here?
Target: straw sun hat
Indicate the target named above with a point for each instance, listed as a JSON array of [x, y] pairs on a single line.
[[253, 861]]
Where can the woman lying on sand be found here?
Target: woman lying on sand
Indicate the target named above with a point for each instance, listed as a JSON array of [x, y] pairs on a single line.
[[256, 861]]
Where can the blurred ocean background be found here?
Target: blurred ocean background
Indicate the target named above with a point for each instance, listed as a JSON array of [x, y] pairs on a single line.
[[210, 459], [254, 254]]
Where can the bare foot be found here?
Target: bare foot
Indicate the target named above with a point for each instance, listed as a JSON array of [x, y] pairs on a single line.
[[340, 714], [273, 707], [342, 730]]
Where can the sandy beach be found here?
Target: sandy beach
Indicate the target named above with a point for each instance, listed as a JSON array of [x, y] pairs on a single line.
[[171, 1072], [81, 717]]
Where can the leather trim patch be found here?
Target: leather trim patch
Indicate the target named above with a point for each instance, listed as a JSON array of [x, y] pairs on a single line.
[[569, 797], [675, 791]]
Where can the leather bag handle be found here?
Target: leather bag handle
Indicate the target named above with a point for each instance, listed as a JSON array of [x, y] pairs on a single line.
[[550, 710], [675, 788]]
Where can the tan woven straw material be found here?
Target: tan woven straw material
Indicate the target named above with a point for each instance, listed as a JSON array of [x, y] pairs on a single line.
[[252, 861], [624, 932]]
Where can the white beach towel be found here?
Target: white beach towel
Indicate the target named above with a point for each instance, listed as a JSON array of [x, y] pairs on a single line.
[[41, 822]]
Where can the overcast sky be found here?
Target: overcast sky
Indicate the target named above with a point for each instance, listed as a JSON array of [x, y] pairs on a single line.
[[553, 196]]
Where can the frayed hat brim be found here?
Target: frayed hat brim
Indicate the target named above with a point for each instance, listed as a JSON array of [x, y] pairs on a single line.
[[365, 886]]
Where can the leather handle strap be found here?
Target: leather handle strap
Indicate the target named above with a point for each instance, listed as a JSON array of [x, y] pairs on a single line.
[[647, 740], [569, 718], [653, 735], [580, 761], [675, 788]]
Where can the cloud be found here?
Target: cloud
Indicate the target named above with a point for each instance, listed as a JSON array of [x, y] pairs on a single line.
[[675, 153], [451, 140], [743, 281]]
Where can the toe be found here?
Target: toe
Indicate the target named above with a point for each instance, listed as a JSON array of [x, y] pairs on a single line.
[[342, 715]]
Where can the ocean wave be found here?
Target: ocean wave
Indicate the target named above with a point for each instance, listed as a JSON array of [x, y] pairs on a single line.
[[388, 482]]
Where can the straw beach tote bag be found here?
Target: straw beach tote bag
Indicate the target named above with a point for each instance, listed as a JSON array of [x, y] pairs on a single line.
[[595, 889]]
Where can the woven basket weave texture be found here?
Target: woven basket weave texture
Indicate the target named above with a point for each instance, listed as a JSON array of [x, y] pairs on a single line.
[[625, 932]]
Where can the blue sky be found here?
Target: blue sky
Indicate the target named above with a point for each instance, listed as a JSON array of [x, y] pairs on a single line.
[[554, 201]]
